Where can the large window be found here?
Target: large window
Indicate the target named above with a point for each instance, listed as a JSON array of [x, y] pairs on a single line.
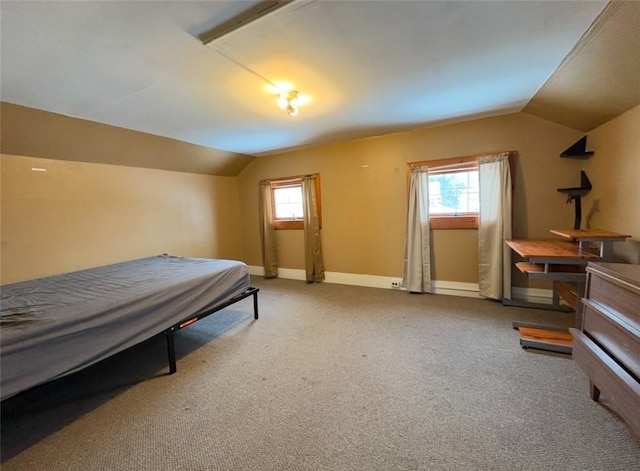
[[286, 197]]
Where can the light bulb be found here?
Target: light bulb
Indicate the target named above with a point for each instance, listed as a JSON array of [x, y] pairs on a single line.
[[292, 109], [283, 101], [289, 101]]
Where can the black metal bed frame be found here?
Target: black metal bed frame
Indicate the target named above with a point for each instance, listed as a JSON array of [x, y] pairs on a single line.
[[250, 291]]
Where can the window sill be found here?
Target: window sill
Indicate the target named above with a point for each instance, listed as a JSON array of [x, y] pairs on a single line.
[[288, 224], [453, 222]]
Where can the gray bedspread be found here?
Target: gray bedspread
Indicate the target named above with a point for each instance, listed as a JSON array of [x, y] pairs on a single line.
[[54, 326]]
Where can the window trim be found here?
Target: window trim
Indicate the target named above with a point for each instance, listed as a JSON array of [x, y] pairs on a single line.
[[469, 162], [444, 221], [295, 224]]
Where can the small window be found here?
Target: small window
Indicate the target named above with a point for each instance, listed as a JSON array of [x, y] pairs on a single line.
[[454, 198], [287, 202], [454, 193], [288, 210], [287, 205], [454, 190]]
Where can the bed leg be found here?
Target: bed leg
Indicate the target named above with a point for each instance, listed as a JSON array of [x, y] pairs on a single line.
[[171, 350], [255, 304]]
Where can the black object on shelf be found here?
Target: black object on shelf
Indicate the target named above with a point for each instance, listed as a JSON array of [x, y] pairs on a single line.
[[575, 194], [578, 150]]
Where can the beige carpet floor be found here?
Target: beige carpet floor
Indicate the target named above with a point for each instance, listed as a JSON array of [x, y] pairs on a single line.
[[331, 377]]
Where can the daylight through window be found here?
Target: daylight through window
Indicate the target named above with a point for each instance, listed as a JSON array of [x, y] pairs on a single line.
[[287, 202], [454, 190], [286, 198], [454, 193]]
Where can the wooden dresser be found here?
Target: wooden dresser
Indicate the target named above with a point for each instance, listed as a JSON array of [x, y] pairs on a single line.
[[607, 343]]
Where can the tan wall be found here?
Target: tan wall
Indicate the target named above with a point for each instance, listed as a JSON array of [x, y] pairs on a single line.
[[78, 215], [364, 194], [614, 172], [38, 133]]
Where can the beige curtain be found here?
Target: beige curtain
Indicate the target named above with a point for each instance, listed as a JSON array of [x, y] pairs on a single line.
[[417, 252], [494, 270], [267, 231], [314, 263]]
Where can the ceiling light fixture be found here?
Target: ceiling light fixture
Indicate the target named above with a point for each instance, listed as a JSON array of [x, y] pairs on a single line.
[[289, 101]]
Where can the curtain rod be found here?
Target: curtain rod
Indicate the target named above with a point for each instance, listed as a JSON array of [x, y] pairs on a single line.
[[453, 161]]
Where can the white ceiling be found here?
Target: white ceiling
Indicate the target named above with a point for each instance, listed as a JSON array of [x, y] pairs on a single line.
[[364, 67]]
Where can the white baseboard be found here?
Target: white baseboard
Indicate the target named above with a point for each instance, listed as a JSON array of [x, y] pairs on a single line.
[[371, 281], [451, 288], [455, 288]]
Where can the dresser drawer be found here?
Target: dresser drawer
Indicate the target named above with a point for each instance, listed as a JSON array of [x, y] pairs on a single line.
[[615, 294], [620, 339], [618, 386]]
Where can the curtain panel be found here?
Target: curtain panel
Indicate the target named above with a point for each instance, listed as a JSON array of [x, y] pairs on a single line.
[[267, 231], [495, 225], [417, 252], [313, 260]]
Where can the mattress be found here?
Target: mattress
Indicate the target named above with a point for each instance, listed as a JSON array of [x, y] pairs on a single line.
[[54, 326]]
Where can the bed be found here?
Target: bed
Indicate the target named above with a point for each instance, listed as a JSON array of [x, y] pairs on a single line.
[[55, 326]]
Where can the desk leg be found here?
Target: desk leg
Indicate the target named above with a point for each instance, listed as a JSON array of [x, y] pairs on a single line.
[[546, 346], [606, 251], [555, 296], [517, 324], [544, 337], [548, 307]]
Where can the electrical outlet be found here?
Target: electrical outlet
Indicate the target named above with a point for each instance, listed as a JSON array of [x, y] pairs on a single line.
[[395, 284]]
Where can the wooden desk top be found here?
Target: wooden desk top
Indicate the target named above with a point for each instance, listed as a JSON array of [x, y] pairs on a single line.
[[549, 248], [589, 234]]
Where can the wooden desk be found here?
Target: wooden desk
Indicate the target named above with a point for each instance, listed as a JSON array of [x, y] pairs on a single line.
[[553, 250], [586, 236], [563, 263], [554, 260]]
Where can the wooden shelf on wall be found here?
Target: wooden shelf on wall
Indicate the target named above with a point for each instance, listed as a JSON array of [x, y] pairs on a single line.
[[578, 150]]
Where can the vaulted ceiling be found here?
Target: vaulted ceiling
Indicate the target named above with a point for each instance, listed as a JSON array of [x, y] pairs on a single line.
[[362, 68]]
